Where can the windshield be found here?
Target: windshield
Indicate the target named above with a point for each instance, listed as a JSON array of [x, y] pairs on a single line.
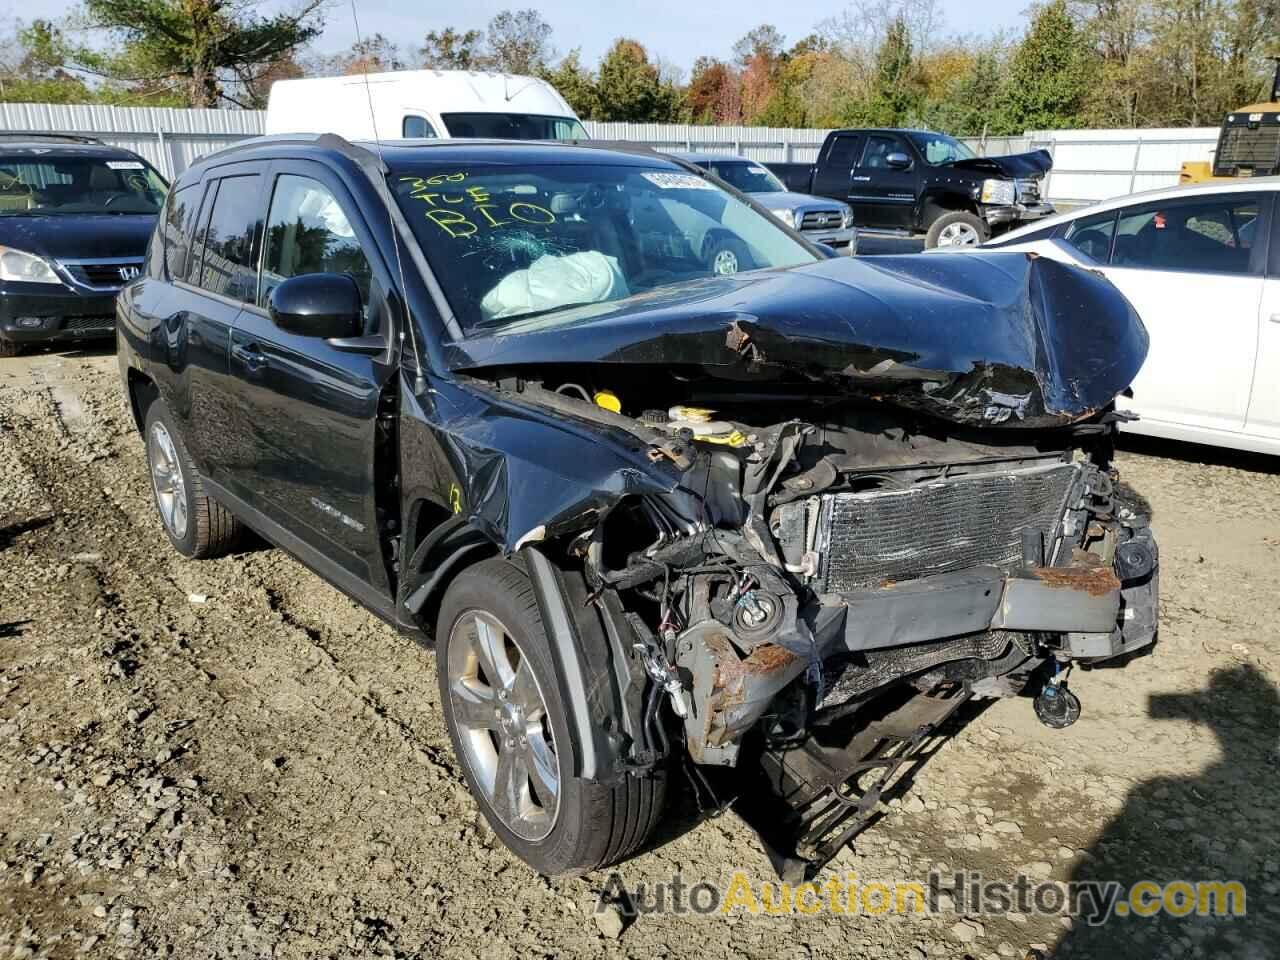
[[938, 148], [513, 126], [31, 184], [747, 177], [508, 243]]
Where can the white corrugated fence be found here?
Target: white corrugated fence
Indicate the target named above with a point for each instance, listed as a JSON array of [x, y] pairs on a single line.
[[1088, 164]]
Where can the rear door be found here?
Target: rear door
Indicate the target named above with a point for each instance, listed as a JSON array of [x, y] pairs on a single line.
[[883, 196], [1264, 406], [310, 409], [1193, 270], [216, 281], [833, 176]]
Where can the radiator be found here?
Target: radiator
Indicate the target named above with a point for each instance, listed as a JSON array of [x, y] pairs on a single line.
[[872, 538]]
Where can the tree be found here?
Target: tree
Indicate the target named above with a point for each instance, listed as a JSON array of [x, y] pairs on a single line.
[[450, 49], [1049, 74], [576, 85], [200, 48], [519, 42], [765, 40], [629, 86], [705, 96]]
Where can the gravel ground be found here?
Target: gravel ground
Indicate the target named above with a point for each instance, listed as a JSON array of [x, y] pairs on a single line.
[[230, 759]]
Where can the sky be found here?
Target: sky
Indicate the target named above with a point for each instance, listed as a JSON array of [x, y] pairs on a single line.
[[678, 31]]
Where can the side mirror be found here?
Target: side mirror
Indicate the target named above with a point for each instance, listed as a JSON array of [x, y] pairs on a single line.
[[323, 305], [898, 161]]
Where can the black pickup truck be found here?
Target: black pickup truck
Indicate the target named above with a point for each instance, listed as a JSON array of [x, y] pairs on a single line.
[[915, 181]]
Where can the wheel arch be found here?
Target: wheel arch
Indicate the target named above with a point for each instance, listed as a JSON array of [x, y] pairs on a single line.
[[142, 392]]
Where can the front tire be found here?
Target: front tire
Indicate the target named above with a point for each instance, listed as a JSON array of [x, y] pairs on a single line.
[[8, 348], [727, 255], [959, 228], [510, 730], [197, 525]]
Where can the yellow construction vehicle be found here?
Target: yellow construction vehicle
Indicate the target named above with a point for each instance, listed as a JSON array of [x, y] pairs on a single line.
[[1248, 145]]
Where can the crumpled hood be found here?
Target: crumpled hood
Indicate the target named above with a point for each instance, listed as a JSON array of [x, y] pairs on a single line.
[[988, 339], [78, 236], [1034, 164]]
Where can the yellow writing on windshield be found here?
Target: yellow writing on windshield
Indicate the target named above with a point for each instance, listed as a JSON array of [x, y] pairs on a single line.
[[446, 199]]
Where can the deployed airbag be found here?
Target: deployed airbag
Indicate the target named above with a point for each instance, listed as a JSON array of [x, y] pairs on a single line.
[[551, 281]]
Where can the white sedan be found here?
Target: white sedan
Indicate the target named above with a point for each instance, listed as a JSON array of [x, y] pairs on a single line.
[[1201, 265]]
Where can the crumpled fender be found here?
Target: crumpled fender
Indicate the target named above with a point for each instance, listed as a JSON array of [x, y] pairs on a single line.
[[514, 473], [1034, 164]]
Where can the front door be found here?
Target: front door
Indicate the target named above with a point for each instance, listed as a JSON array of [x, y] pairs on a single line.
[[312, 407], [1264, 405], [833, 176], [1192, 270], [883, 196]]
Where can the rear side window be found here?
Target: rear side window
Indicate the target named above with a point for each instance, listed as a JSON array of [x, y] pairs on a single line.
[[177, 229], [1092, 235], [230, 239], [1204, 235], [843, 152], [308, 232]]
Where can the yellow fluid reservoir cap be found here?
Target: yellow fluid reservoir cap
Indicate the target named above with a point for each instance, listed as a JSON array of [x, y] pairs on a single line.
[[690, 414], [609, 400]]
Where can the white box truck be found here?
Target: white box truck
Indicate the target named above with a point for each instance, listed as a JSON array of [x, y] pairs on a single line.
[[413, 104]]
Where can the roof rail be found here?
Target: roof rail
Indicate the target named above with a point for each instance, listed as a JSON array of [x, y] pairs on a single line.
[[331, 141], [10, 136]]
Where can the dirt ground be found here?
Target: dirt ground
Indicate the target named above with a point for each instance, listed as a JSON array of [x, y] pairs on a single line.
[[230, 759]]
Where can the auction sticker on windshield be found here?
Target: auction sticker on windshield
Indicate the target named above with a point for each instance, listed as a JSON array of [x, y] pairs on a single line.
[[677, 181]]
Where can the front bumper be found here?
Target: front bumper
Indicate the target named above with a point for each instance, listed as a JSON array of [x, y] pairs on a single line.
[[1095, 614], [1016, 213], [51, 313], [840, 239]]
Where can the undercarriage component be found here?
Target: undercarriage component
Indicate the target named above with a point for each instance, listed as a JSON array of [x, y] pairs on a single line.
[[731, 691], [854, 676], [814, 798], [1056, 706]]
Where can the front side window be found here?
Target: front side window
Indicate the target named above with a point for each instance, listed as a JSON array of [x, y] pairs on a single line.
[[229, 240], [748, 177], [513, 126], [49, 186], [417, 128], [1092, 235], [307, 232], [509, 242], [876, 156], [1204, 235], [938, 148]]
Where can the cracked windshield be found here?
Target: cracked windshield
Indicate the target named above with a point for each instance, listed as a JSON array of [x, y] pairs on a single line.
[[509, 244]]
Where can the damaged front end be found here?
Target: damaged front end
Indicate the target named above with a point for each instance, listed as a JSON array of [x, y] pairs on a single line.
[[861, 481]]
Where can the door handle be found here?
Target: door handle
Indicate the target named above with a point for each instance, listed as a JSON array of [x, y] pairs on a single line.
[[251, 356], [1275, 318]]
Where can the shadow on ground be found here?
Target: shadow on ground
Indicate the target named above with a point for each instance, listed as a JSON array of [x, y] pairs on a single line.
[[1216, 826]]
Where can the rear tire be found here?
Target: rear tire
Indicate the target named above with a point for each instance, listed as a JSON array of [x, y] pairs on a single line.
[[197, 525], [959, 228], [510, 731]]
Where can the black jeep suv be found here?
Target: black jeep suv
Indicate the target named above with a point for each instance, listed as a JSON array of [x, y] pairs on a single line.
[[653, 505], [75, 217]]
